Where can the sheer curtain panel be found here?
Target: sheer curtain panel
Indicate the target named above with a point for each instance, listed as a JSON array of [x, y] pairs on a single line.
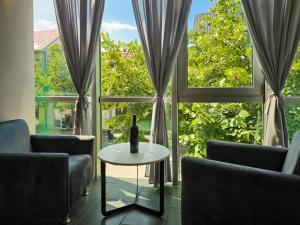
[[161, 25], [79, 23], [274, 27]]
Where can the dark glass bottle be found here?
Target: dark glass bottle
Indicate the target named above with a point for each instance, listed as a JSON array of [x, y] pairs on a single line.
[[134, 136]]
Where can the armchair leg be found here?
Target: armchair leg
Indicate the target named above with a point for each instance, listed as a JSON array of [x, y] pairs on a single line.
[[65, 220]]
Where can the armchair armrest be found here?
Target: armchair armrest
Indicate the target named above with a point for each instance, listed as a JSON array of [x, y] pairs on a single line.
[[73, 145], [34, 184], [265, 157], [215, 192]]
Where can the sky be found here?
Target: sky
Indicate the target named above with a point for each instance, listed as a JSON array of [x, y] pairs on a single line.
[[118, 18]]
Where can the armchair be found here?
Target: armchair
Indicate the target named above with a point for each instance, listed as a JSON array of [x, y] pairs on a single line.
[[242, 184], [42, 176]]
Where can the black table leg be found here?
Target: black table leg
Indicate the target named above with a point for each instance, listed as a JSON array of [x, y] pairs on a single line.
[[162, 187], [103, 188], [134, 205]]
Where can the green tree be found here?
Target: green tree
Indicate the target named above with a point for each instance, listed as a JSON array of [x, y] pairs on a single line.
[[123, 69], [221, 55], [57, 70], [52, 78]]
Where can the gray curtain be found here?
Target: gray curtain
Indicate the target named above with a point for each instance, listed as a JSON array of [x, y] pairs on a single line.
[[161, 25], [274, 27], [79, 23]]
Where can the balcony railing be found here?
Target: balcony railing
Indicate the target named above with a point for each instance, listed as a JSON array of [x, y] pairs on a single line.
[[55, 114]]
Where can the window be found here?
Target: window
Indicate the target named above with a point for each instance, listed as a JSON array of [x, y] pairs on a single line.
[[228, 62], [216, 59], [219, 83], [123, 68], [54, 90]]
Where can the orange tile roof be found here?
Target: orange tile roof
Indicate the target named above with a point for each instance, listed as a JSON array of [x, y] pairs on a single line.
[[43, 38]]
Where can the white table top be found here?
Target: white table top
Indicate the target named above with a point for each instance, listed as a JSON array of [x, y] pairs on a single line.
[[119, 154]]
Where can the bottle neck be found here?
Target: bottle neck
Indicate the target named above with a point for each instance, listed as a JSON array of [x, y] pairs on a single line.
[[134, 120]]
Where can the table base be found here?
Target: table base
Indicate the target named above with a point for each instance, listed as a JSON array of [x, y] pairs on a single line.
[[133, 205]]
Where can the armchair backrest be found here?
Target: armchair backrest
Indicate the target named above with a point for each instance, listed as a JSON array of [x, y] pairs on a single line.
[[292, 161], [14, 137]]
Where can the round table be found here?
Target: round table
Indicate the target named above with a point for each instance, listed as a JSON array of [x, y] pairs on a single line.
[[119, 154]]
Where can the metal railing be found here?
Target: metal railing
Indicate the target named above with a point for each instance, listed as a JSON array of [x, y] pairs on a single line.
[[55, 114]]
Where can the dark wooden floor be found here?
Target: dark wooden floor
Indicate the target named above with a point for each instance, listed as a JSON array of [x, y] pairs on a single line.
[[120, 191], [86, 211]]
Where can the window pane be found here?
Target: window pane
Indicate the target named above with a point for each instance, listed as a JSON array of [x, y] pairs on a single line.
[[117, 120], [52, 77], [199, 122], [293, 119], [219, 47], [292, 86], [123, 68]]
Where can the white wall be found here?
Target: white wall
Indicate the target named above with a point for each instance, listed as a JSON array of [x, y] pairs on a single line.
[[16, 61]]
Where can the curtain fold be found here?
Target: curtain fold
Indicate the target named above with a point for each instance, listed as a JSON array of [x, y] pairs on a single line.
[[274, 27], [161, 25], [79, 23]]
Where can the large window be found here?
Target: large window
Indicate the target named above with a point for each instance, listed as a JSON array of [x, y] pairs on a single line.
[[124, 75], [55, 93], [219, 88], [219, 83], [216, 92]]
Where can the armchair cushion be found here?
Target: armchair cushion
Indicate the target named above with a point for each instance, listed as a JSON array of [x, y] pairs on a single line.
[[14, 137], [292, 162]]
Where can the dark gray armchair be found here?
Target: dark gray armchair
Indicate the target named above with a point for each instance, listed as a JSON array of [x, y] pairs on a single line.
[[242, 184], [42, 176]]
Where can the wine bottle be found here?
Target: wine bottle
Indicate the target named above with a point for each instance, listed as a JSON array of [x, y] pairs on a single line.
[[134, 136]]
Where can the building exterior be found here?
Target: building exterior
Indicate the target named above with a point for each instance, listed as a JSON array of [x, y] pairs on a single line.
[[43, 39], [199, 18]]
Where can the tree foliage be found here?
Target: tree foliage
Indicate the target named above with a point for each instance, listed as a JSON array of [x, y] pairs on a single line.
[[220, 54], [52, 77]]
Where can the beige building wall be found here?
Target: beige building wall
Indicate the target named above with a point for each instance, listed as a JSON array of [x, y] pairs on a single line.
[[17, 61]]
